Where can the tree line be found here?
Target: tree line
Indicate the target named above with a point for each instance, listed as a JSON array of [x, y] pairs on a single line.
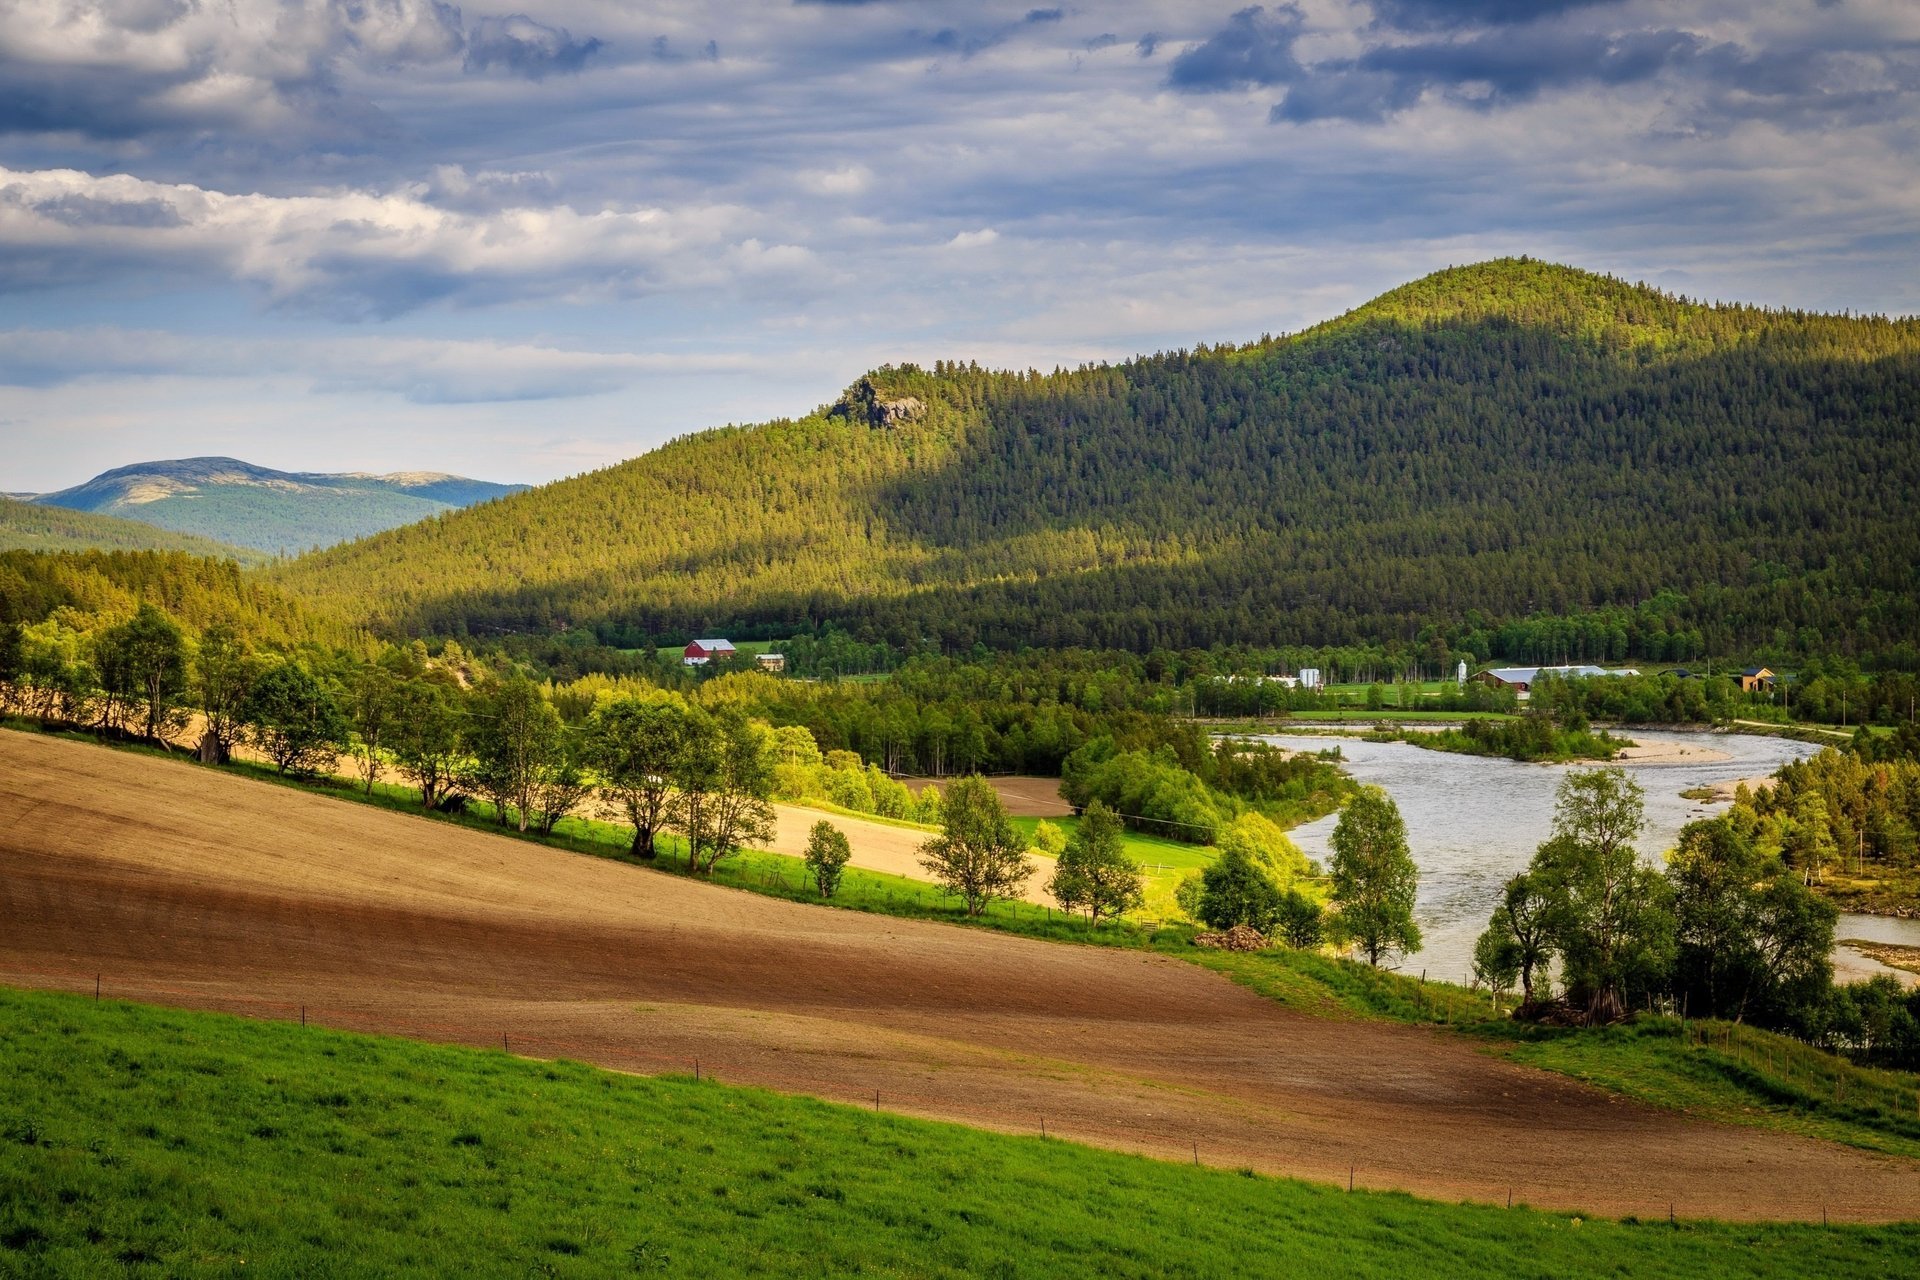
[[1729, 928]]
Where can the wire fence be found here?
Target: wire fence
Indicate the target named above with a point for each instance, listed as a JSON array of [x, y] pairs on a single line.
[[622, 1055]]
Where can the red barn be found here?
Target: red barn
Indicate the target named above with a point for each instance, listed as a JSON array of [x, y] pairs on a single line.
[[700, 652]]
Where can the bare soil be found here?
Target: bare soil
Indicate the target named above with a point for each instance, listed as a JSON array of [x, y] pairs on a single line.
[[880, 846], [1025, 795], [186, 886]]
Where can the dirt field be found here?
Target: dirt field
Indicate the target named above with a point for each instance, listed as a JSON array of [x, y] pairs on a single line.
[[188, 887], [878, 846], [1025, 795]]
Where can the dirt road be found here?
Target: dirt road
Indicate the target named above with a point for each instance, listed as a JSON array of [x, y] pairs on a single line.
[[190, 887]]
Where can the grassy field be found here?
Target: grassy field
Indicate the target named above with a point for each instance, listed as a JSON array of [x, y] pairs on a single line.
[[1165, 863], [1762, 1079], [140, 1141]]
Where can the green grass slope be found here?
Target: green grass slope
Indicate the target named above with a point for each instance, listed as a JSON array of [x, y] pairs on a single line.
[[1494, 439], [33, 526], [144, 1141]]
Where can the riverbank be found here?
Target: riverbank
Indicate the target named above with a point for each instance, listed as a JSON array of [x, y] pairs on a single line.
[[1671, 753], [1891, 954]]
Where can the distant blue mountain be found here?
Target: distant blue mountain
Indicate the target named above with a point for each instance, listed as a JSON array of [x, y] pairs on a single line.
[[281, 512]]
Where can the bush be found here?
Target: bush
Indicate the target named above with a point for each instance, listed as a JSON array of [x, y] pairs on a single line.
[[827, 855]]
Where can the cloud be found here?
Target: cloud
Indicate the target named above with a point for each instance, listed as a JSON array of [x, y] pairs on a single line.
[[1415, 15], [518, 44], [355, 253], [418, 370], [264, 69], [1254, 48], [974, 239], [1483, 71], [1488, 54]]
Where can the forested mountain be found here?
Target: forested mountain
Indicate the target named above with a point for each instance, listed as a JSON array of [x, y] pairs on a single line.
[[1488, 443], [270, 511], [31, 526]]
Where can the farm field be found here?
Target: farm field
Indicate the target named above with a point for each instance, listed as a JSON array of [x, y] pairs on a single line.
[[273, 1139], [1025, 795], [881, 846], [1165, 863], [191, 887]]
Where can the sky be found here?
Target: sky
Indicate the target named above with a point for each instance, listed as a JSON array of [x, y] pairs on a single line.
[[522, 243]]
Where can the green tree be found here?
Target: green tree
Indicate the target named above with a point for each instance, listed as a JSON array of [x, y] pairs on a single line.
[[1236, 890], [827, 856], [1518, 942], [429, 735], [1299, 920], [560, 783], [1374, 878], [143, 667], [373, 702], [1612, 916], [513, 739], [1496, 959], [1810, 846], [224, 670], [1752, 940], [723, 780], [1093, 871], [1049, 839], [978, 855], [1262, 840], [295, 719], [633, 744]]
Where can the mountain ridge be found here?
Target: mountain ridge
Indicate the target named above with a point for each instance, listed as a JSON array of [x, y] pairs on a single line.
[[278, 512], [1488, 442]]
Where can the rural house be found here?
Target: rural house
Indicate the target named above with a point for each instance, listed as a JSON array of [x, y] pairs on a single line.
[[1756, 680], [771, 661], [701, 652], [1522, 679]]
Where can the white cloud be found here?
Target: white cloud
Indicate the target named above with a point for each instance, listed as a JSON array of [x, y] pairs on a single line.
[[421, 370], [381, 253], [974, 239]]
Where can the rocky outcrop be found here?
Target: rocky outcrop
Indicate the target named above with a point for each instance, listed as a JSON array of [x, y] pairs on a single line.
[[864, 403]]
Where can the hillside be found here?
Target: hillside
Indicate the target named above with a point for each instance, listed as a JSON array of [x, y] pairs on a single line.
[[196, 590], [267, 510], [32, 526], [1488, 442], [306, 1151]]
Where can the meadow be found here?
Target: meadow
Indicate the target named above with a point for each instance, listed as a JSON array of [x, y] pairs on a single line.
[[144, 1141]]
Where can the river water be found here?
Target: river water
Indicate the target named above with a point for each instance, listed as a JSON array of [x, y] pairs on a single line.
[[1472, 822]]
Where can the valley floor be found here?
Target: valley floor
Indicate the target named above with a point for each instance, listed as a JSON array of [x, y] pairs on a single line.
[[186, 886]]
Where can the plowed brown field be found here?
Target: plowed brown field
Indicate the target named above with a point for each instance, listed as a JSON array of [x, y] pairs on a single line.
[[186, 886]]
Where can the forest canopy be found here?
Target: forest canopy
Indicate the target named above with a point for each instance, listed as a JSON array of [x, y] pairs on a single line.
[[1491, 444]]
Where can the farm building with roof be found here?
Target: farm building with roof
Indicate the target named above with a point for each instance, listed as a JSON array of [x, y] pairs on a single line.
[[701, 652], [1522, 679]]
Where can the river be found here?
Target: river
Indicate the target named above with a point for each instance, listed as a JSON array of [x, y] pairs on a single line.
[[1472, 822]]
